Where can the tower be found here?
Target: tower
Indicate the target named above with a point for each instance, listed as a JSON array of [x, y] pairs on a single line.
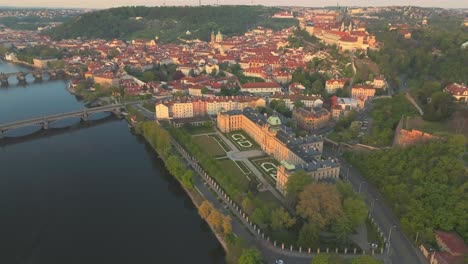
[[219, 37], [213, 38]]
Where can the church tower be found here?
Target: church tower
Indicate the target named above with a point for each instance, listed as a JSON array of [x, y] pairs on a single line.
[[213, 38], [219, 37]]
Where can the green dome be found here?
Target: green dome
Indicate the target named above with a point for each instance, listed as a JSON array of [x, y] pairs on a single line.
[[274, 121]]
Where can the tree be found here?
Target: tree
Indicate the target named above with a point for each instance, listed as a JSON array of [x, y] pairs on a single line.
[[355, 210], [248, 205], [319, 203], [321, 259], [441, 107], [204, 90], [205, 209], [296, 183], [365, 259], [250, 256], [343, 228], [309, 236], [215, 219], [227, 227], [280, 219], [298, 104], [327, 259]]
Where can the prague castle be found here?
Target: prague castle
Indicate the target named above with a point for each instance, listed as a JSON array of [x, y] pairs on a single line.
[[279, 141]]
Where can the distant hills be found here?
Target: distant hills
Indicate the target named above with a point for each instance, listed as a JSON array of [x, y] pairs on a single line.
[[168, 23]]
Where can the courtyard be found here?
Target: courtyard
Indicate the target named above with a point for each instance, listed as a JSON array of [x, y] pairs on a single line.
[[268, 167], [242, 140]]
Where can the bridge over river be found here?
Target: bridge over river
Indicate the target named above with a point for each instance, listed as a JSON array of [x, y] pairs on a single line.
[[45, 120], [37, 74]]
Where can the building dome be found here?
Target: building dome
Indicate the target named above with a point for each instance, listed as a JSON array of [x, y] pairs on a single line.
[[274, 121]]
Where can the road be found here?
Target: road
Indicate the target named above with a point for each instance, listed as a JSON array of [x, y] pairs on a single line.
[[401, 249], [148, 114]]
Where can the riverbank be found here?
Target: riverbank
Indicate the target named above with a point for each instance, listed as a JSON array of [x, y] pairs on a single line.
[[195, 195], [23, 63]]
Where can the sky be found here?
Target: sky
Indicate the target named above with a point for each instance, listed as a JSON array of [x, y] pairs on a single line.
[[315, 3]]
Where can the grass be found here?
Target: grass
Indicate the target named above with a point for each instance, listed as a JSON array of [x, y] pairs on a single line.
[[246, 139], [221, 142], [243, 167], [233, 170], [258, 163], [210, 146], [197, 130], [372, 234], [150, 107]]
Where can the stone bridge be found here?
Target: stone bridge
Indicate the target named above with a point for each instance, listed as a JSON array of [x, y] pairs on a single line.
[[45, 120], [37, 74]]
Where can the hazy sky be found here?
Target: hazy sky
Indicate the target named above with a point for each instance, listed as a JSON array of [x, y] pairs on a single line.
[[113, 3]]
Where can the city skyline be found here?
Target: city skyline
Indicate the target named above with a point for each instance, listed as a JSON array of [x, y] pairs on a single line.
[[317, 3]]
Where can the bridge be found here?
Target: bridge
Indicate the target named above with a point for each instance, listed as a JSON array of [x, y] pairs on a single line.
[[37, 74], [45, 120]]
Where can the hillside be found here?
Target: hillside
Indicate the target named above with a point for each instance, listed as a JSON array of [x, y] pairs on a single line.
[[168, 23]]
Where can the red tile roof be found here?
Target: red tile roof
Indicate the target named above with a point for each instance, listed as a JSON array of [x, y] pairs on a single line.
[[453, 242]]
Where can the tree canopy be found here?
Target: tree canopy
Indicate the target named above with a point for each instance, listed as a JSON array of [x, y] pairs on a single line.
[[168, 23], [426, 184]]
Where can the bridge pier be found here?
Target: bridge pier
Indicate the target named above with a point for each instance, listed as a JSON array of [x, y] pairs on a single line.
[[84, 117], [45, 125], [37, 76], [21, 77], [52, 75], [4, 80]]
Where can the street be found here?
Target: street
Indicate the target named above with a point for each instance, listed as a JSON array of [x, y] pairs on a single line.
[[401, 249]]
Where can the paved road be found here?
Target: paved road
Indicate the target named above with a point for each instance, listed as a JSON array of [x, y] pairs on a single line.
[[401, 249], [148, 114]]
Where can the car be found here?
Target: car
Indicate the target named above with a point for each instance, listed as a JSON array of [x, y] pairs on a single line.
[[279, 261]]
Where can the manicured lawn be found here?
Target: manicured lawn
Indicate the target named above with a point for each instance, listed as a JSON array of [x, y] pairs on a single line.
[[268, 168], [243, 167], [197, 130], [242, 140], [209, 145], [221, 142]]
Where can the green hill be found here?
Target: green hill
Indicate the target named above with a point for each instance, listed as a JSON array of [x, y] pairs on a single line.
[[168, 23]]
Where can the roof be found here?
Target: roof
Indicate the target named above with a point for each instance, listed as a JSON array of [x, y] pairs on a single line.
[[456, 89], [274, 121], [453, 242], [261, 85]]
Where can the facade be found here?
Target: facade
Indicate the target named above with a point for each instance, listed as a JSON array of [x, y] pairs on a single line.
[[289, 100], [275, 139], [261, 88], [189, 107], [312, 118], [42, 63], [379, 82], [318, 170], [334, 84], [107, 79], [362, 91], [459, 91]]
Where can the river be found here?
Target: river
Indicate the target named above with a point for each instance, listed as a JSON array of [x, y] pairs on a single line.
[[92, 193]]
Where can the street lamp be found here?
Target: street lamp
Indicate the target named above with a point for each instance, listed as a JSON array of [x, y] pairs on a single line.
[[360, 185], [388, 240]]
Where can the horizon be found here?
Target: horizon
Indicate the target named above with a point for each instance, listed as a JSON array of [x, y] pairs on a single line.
[[104, 4]]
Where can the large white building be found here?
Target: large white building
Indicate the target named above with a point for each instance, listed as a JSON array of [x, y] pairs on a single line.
[[261, 88]]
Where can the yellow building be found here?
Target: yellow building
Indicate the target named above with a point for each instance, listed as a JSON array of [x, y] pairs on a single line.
[[280, 142], [312, 119], [318, 170]]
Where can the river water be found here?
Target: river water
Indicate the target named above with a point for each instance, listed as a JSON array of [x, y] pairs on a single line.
[[92, 193]]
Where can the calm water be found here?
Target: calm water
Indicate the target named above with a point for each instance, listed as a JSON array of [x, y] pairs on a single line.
[[93, 193]]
